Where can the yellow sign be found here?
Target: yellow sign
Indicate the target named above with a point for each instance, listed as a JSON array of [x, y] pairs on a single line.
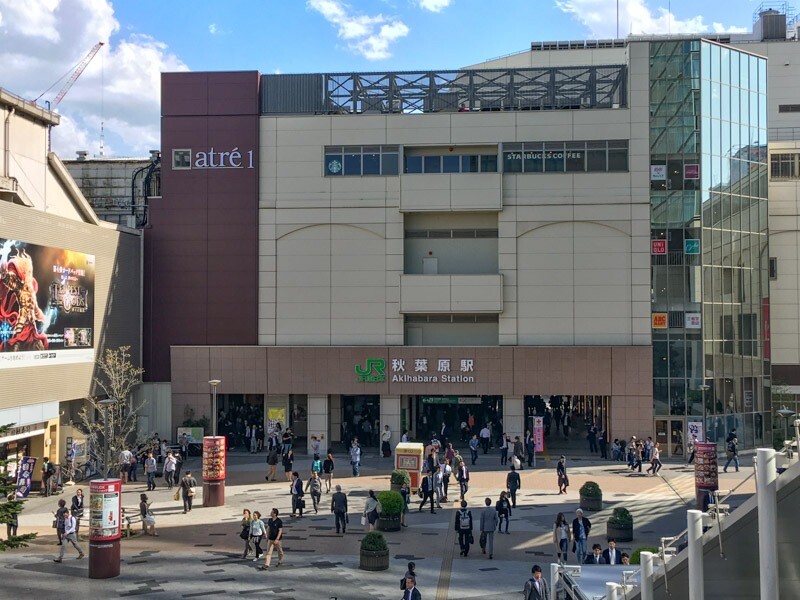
[[275, 416], [659, 320]]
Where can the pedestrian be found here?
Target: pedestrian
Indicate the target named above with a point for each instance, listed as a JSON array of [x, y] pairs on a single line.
[[316, 465], [411, 571], [355, 457], [592, 437], [188, 486], [404, 492], [485, 436], [253, 439], [463, 479], [426, 492], [150, 467], [124, 465], [431, 461], [314, 485], [327, 472], [184, 443], [603, 444], [316, 445], [464, 528], [519, 453], [504, 443], [611, 555], [386, 438], [59, 519], [473, 448], [297, 495], [339, 509], [503, 509], [561, 472], [411, 592], [561, 538], [286, 440], [626, 560], [596, 557], [447, 473], [245, 532], [530, 447], [48, 470], [11, 526], [169, 469], [536, 587], [655, 459], [288, 464], [257, 533], [372, 509], [691, 449], [148, 519], [489, 521], [272, 462], [71, 536], [638, 453], [580, 533], [513, 484], [274, 538], [77, 508], [733, 454], [405, 437], [438, 486]]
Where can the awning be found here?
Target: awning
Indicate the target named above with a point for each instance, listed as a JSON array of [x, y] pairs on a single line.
[[22, 436]]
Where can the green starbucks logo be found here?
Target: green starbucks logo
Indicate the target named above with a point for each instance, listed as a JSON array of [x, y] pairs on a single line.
[[334, 166]]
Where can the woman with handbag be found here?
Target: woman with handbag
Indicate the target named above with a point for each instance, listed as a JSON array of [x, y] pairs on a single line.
[[245, 533], [372, 509], [257, 532], [148, 520], [188, 485]]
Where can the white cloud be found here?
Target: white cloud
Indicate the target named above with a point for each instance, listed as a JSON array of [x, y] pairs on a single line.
[[635, 17], [368, 35], [212, 29], [434, 5], [122, 85]]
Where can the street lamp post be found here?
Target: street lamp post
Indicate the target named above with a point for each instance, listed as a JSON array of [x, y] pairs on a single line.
[[214, 458], [787, 414], [214, 383], [704, 388]]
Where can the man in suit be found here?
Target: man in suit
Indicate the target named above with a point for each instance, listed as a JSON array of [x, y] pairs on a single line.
[[596, 558], [611, 555], [536, 587], [513, 484], [427, 491], [411, 592], [489, 522], [339, 509]]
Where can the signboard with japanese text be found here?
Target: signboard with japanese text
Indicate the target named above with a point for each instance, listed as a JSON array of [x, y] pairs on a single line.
[[213, 458], [538, 434], [105, 521], [46, 305], [706, 477], [24, 476], [692, 320]]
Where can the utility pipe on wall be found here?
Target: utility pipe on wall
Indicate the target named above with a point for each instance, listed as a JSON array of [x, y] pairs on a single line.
[[7, 142], [766, 491]]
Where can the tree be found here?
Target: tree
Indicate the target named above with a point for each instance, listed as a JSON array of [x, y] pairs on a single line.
[[11, 508], [117, 378]]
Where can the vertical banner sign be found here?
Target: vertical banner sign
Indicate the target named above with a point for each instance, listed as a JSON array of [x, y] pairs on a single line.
[[24, 474], [213, 458], [706, 478], [695, 428], [105, 522], [275, 416], [538, 434]]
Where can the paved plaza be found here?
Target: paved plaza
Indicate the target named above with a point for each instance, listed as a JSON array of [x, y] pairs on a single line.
[[198, 554]]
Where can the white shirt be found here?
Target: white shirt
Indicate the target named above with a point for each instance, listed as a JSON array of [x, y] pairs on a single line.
[[125, 456], [169, 463], [404, 439], [485, 433], [611, 555], [386, 436], [69, 525]]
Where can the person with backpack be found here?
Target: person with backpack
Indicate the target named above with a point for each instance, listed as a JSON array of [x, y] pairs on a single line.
[[489, 521], [463, 479], [48, 470], [316, 465], [464, 528], [536, 587], [513, 484], [71, 536]]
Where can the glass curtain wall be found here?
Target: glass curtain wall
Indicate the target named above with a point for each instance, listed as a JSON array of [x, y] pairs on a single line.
[[708, 254]]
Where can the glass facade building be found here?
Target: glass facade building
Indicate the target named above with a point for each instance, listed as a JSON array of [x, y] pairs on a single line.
[[708, 193]]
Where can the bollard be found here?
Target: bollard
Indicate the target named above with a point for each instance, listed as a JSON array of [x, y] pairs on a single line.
[[611, 590], [646, 575], [695, 539], [766, 491]]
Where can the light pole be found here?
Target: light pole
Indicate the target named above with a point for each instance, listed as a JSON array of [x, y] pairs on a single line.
[[704, 388], [214, 383], [787, 414], [106, 404]]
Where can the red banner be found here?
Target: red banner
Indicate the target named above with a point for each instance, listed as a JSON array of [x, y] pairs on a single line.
[[105, 520], [213, 458], [706, 477], [538, 434]]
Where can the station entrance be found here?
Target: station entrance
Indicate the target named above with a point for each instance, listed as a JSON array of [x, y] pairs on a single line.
[[433, 413], [568, 420]]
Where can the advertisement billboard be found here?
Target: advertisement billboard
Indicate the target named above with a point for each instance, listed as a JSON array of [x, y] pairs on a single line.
[[706, 477], [24, 475], [46, 305], [213, 458], [105, 520], [538, 434]]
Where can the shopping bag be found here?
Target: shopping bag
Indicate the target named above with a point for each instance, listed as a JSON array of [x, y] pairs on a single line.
[[177, 495], [363, 520]]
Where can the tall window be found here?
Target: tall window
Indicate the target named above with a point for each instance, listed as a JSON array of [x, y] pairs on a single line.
[[784, 166], [361, 160], [565, 157]]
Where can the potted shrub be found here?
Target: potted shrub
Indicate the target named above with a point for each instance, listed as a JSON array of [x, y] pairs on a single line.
[[591, 496], [620, 525], [374, 552], [636, 557], [398, 478], [391, 506]]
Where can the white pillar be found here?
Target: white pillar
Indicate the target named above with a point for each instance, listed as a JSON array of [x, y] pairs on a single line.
[[646, 575], [390, 415], [318, 422], [553, 579], [766, 490], [513, 416], [611, 590], [694, 536]]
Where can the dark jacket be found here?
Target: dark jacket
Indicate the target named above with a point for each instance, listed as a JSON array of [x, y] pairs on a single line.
[[513, 481], [458, 519], [415, 595], [591, 561], [339, 502], [297, 484], [587, 526], [427, 484], [617, 556]]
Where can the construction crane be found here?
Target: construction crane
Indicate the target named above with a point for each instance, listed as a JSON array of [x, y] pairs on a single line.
[[77, 73]]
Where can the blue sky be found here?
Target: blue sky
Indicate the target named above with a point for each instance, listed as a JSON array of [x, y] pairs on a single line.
[[40, 40]]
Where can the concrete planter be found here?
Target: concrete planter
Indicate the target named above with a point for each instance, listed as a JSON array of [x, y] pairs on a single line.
[[388, 523], [374, 560], [621, 534], [592, 504]]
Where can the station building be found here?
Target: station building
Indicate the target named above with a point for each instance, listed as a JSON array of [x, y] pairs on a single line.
[[581, 224]]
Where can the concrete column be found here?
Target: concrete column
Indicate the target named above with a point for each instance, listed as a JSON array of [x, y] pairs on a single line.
[[390, 415], [335, 425], [514, 416], [554, 578], [318, 422], [646, 575], [611, 590], [766, 490], [694, 536]]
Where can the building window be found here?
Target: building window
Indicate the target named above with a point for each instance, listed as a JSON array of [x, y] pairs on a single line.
[[565, 157], [784, 108], [361, 160], [773, 268], [784, 166], [181, 159], [450, 163]]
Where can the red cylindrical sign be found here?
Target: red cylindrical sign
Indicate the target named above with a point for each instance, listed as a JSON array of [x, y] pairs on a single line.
[[706, 477], [105, 520], [213, 458]]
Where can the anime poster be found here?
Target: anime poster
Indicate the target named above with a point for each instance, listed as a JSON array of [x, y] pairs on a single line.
[[46, 305]]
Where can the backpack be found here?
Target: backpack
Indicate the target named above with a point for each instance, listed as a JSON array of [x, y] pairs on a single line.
[[463, 520]]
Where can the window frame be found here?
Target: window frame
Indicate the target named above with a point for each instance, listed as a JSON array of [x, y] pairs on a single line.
[[175, 151]]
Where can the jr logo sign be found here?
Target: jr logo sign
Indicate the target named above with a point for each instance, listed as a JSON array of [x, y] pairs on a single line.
[[373, 372]]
